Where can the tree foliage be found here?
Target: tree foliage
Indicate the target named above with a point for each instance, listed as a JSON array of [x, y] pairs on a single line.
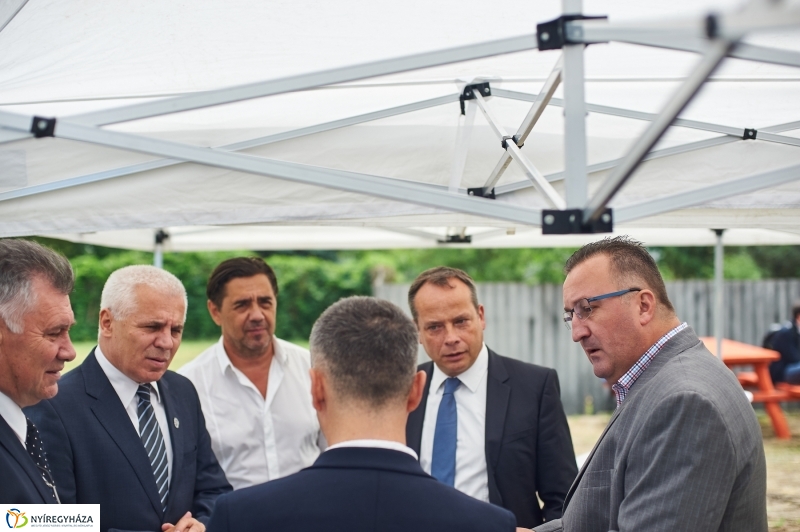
[[309, 282]]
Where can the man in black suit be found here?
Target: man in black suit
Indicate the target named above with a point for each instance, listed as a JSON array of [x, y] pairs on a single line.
[[363, 384], [491, 426], [35, 317], [131, 435]]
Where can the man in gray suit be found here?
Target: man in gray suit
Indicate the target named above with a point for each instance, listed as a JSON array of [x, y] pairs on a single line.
[[683, 450]]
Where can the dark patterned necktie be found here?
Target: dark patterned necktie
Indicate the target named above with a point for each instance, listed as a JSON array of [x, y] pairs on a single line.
[[153, 442], [33, 444]]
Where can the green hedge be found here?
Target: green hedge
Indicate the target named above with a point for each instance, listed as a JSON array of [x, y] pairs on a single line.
[[307, 285]]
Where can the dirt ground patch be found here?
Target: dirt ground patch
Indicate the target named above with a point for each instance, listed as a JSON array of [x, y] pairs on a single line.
[[783, 465]]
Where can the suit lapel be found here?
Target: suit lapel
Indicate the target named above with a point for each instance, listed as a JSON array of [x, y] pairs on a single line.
[[675, 346], [417, 417], [9, 440], [174, 416], [111, 414], [497, 396]]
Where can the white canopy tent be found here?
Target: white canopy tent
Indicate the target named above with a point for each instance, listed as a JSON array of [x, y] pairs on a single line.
[[317, 140], [206, 118]]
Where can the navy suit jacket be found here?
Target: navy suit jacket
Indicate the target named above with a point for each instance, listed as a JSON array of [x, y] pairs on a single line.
[[21, 481], [528, 443], [354, 489], [97, 456]]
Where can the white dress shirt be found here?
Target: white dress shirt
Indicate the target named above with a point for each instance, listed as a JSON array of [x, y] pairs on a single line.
[[126, 390], [258, 439], [471, 474], [14, 416], [376, 444]]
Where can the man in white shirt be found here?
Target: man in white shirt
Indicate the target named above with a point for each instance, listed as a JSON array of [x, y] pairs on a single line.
[[363, 384], [35, 317], [254, 387], [491, 426], [124, 432]]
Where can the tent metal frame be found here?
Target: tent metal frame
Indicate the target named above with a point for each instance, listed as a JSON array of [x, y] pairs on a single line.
[[719, 40]]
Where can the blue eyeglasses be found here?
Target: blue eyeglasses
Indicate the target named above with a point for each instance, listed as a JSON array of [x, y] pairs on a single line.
[[583, 309]]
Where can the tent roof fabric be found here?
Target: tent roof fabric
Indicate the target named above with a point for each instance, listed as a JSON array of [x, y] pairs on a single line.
[[65, 58]]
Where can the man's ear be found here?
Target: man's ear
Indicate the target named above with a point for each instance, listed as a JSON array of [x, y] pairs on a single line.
[[318, 389], [647, 306], [417, 389], [106, 321], [214, 311]]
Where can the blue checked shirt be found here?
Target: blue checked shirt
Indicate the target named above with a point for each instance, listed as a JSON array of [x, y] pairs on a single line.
[[626, 382]]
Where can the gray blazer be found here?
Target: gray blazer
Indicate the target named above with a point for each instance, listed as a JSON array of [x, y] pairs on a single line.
[[682, 453]]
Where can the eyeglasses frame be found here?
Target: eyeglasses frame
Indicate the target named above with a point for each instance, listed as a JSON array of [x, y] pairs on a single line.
[[569, 314]]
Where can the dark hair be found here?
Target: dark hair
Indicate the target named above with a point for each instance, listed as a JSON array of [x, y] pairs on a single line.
[[440, 276], [796, 310], [368, 348], [234, 269], [629, 258], [20, 262]]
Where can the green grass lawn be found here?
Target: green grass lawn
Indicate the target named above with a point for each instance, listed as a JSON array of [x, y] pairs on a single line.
[[186, 353]]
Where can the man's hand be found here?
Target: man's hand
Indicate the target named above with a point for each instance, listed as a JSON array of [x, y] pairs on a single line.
[[186, 524]]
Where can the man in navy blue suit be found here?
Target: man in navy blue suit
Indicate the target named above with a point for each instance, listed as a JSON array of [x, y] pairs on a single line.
[[131, 435], [363, 385], [35, 317]]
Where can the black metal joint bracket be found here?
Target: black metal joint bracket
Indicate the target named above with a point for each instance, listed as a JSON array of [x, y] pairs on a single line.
[[553, 35], [469, 93], [456, 239], [749, 134], [482, 192], [504, 142], [43, 127], [161, 236], [570, 221]]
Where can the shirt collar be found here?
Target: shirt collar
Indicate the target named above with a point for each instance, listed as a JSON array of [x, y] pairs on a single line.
[[376, 444], [471, 378], [626, 382], [124, 386], [225, 362], [14, 416]]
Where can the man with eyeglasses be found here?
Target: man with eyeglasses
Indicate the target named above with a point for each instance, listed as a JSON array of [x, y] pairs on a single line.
[[683, 449]]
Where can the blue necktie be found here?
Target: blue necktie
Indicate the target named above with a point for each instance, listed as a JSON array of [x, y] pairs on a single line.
[[443, 461]]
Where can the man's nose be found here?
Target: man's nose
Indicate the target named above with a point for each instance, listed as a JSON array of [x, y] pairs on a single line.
[[579, 329], [164, 339], [67, 352], [450, 335]]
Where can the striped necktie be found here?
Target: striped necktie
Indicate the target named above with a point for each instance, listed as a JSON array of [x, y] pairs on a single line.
[[153, 442]]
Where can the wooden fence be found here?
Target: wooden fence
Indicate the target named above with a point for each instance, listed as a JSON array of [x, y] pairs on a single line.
[[525, 322]]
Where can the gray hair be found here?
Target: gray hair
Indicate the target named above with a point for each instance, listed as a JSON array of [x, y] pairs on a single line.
[[368, 347], [20, 262], [119, 292]]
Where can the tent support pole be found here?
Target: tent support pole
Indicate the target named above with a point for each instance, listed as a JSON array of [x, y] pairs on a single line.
[[576, 184], [719, 291], [707, 194], [382, 187], [158, 250], [533, 173], [540, 103], [656, 130]]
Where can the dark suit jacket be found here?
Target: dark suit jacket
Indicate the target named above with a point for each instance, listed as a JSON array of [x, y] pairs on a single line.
[[21, 481], [357, 490], [528, 444], [97, 457]]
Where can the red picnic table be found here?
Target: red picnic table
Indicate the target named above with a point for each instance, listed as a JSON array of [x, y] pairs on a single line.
[[740, 354]]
